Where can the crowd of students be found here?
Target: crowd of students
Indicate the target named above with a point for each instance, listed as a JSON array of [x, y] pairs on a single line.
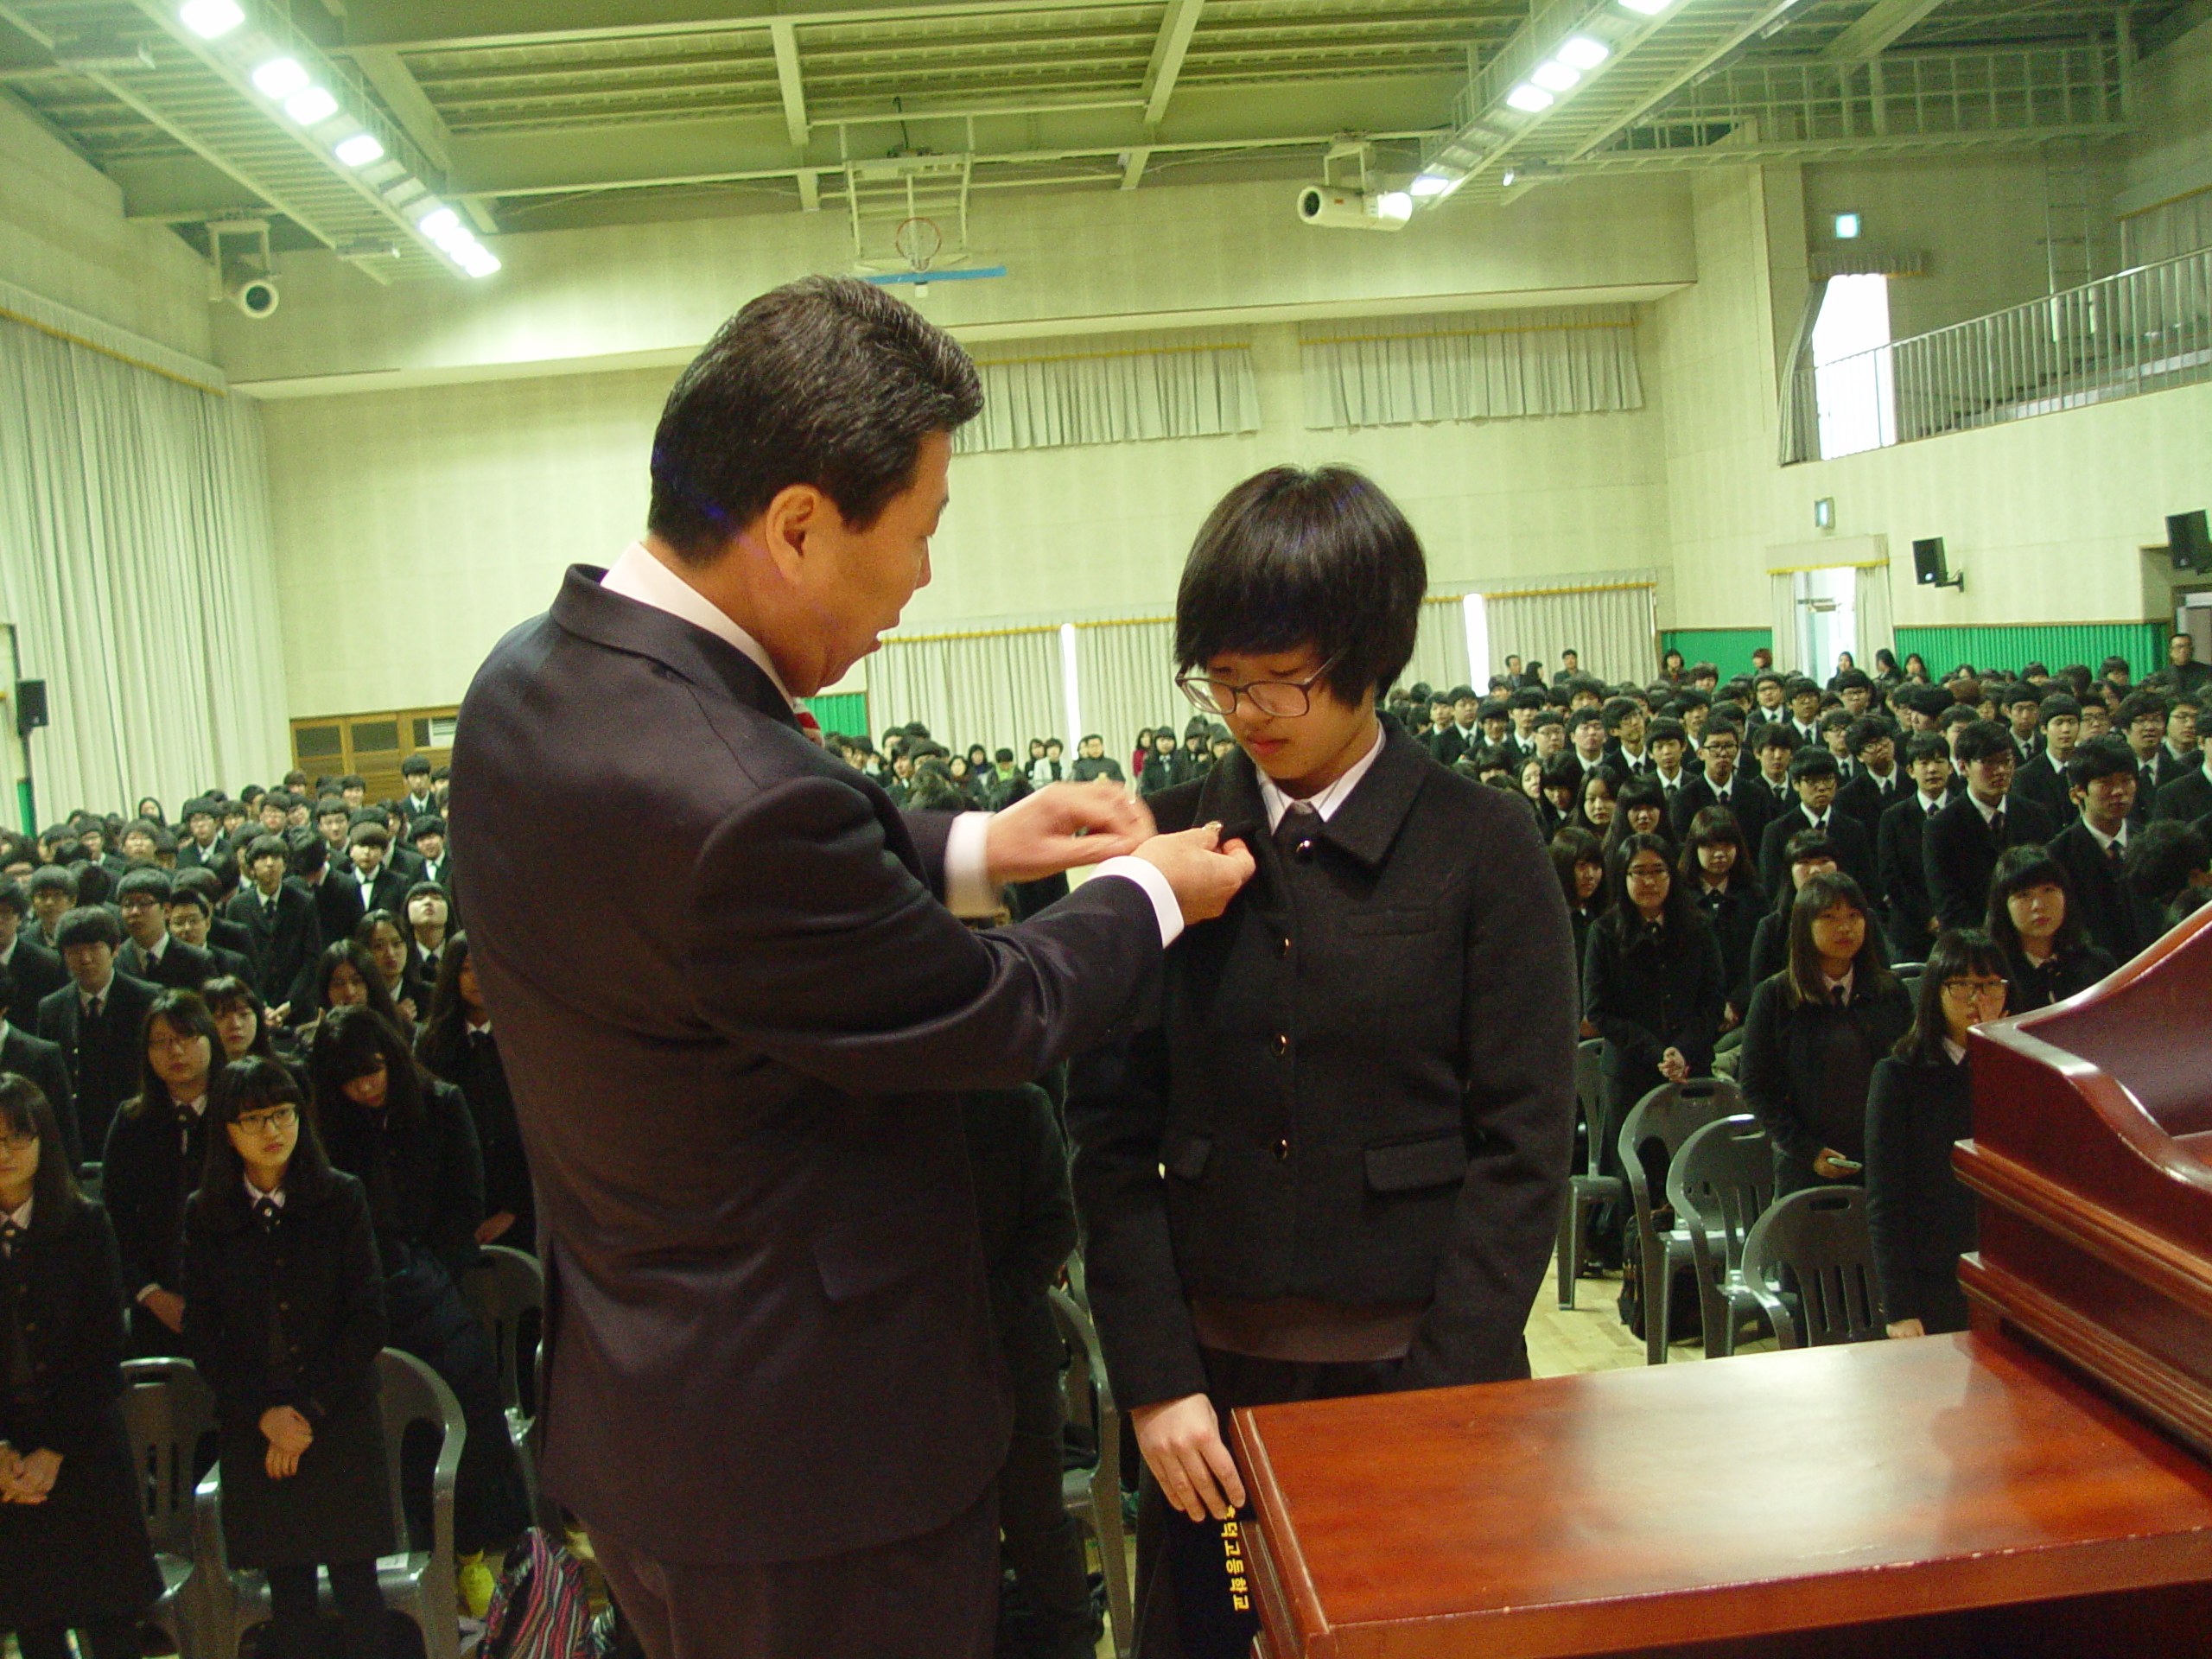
[[259, 1029]]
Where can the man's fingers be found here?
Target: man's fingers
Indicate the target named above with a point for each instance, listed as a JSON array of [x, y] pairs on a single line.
[[1223, 1469]]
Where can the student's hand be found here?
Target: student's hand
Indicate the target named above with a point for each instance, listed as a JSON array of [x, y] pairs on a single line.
[[1831, 1166], [167, 1307], [1063, 825], [35, 1477], [1729, 1017], [1674, 1067], [278, 1463], [280, 1014], [1907, 1328], [1205, 871], [493, 1226], [406, 1006], [1586, 1030], [287, 1431], [11, 1473], [1181, 1443]]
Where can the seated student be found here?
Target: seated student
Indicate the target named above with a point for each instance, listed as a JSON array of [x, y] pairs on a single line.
[[1529, 780], [136, 842], [284, 1317], [427, 835], [1586, 735], [2035, 921], [1424, 1128], [95, 1021], [1919, 1213], [190, 916], [384, 936], [1879, 779], [2094, 849], [1802, 696], [1715, 867], [1835, 725], [42, 1063], [2020, 707], [1639, 809], [281, 918], [1579, 862], [203, 846], [370, 883], [1814, 1034], [408, 1139], [2167, 869], [1772, 745], [1813, 778], [1809, 854], [458, 1046], [346, 977], [2183, 752], [1561, 783], [1093, 762], [1716, 780], [242, 1022], [429, 924], [1960, 849], [152, 1162], [2186, 794], [220, 934], [35, 972], [1594, 808], [1626, 749], [1668, 741], [73, 1550]]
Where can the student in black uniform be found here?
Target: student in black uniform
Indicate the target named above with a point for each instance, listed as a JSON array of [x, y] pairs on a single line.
[[1382, 1023], [2093, 848], [284, 1317], [1904, 875], [2037, 923], [155, 1148], [73, 1551], [1920, 1102], [384, 936], [458, 1045], [1815, 1031], [1579, 861], [96, 1021], [1716, 869], [1960, 850], [35, 972]]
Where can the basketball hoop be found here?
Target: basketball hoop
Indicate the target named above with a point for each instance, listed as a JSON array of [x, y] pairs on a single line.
[[917, 241]]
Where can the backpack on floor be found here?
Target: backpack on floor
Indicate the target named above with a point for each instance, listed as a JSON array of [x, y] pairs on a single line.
[[539, 1609]]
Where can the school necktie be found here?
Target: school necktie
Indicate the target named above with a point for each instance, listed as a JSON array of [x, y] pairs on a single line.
[[1294, 833], [1997, 827], [2115, 854], [810, 725], [9, 1234], [267, 1212]]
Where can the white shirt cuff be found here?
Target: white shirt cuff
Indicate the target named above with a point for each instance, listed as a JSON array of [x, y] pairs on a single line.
[[969, 889], [1147, 876], [148, 1291]]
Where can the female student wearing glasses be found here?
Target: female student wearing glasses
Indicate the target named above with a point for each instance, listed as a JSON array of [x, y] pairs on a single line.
[[1360, 1082]]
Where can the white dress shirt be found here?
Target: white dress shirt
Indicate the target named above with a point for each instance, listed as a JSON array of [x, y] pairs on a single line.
[[1326, 802]]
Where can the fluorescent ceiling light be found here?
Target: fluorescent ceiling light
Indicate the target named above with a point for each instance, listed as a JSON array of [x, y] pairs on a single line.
[[280, 77], [455, 237], [310, 104], [437, 222], [1846, 226], [1580, 52], [1393, 204], [1555, 76], [1430, 184], [1530, 98], [359, 150], [210, 19], [481, 263], [1648, 8]]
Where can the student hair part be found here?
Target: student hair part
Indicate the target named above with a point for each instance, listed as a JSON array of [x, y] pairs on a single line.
[[1981, 740]]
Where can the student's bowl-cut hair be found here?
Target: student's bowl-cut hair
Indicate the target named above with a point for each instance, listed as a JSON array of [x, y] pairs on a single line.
[[2019, 869], [1291, 557], [828, 381], [1802, 978]]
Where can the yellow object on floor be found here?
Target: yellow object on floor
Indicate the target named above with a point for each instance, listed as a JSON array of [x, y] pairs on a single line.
[[476, 1584]]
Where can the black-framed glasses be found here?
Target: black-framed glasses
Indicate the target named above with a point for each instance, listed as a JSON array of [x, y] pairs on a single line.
[[1283, 699], [277, 1117], [1975, 990]]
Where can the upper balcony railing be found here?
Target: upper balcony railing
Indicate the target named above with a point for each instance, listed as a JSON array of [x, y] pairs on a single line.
[[2142, 330]]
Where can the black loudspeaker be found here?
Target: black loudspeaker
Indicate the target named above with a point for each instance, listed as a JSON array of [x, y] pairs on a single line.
[[1928, 561], [2188, 543], [30, 706]]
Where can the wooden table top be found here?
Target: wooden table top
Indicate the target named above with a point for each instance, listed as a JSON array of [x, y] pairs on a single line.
[[1769, 1492]]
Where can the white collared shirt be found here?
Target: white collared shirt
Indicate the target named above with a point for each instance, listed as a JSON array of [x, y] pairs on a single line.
[[21, 1216], [1843, 984], [968, 890], [254, 1195], [1932, 804], [1987, 812], [1326, 802], [2105, 843], [1952, 1052]]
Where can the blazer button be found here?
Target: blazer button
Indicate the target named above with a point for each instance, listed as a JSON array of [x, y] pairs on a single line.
[[1282, 945], [1283, 1152], [1303, 852], [1282, 1043]]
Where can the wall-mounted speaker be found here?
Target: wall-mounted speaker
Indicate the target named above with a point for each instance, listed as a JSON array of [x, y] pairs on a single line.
[[2189, 544], [1927, 567], [30, 706]]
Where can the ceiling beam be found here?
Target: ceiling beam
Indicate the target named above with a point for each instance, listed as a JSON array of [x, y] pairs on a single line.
[[403, 96], [1875, 29], [1132, 166], [435, 25], [785, 36], [1167, 54]]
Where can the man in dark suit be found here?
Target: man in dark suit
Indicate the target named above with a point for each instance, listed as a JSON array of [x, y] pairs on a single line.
[[369, 882], [2189, 796], [1958, 853], [2042, 777], [151, 952], [41, 1062], [1813, 776], [335, 898], [287, 934], [1902, 877], [756, 1214], [35, 971], [2093, 848], [1879, 781], [190, 919], [1723, 784], [202, 847], [98, 1021]]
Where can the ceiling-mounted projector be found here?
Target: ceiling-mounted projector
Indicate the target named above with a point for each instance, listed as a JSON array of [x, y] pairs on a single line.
[[1336, 208]]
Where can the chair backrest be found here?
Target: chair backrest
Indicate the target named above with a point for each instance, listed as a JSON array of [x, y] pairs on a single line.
[[505, 1290], [1721, 1182], [168, 1410], [1081, 1383], [409, 1392], [1589, 1098], [1669, 1115], [1819, 1234]]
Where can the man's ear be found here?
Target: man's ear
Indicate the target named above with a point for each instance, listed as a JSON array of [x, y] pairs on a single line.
[[795, 511]]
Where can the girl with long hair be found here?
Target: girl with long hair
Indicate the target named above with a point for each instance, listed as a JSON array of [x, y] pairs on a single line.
[[2033, 918], [155, 1147], [458, 1045], [1718, 871]]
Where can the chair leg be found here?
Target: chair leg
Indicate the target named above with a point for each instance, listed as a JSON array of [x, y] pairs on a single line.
[[1658, 1285], [1113, 1561], [1568, 1249]]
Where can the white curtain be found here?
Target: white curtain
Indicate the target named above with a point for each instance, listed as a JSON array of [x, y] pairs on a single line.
[[135, 564], [1486, 366], [1043, 394], [1782, 616], [1870, 604], [999, 689], [1440, 648], [1125, 678], [1613, 629], [2171, 229]]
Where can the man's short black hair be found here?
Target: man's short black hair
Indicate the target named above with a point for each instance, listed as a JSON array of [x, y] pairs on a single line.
[[429, 824], [88, 924], [2058, 706], [414, 765], [1926, 746], [2139, 705], [1852, 679], [1528, 697], [1663, 730], [12, 898], [1776, 734], [2023, 692], [1813, 761], [1003, 756], [277, 798], [196, 877], [1865, 731], [263, 847], [54, 878], [828, 381], [1291, 557], [1798, 685], [1980, 740], [333, 806], [1617, 709], [2101, 757], [155, 884], [193, 896]]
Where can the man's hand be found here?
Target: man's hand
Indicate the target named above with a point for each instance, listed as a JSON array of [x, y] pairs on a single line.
[[35, 1477], [1204, 871], [1061, 826], [1907, 1328], [1673, 1066], [1181, 1443], [167, 1307]]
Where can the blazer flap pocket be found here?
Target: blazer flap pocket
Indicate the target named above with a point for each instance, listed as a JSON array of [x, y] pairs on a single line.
[[863, 1257], [1369, 923], [1185, 1155], [1405, 1166]]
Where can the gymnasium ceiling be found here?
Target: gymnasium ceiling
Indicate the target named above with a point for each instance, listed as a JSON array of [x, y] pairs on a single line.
[[537, 114]]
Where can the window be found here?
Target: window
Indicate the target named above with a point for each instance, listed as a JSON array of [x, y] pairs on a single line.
[[1852, 379]]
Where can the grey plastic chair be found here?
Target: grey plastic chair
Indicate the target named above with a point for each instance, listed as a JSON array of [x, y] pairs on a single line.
[[1093, 1496], [504, 1288], [419, 1583], [1809, 1265], [168, 1411], [1720, 1184], [1668, 1115], [1585, 1188]]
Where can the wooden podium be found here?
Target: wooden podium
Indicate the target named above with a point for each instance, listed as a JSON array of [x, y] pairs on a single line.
[[2037, 1488]]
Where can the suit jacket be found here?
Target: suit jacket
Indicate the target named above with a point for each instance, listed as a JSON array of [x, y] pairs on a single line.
[[755, 1206], [180, 966], [1920, 1215], [2166, 767], [1751, 801], [2037, 780], [1959, 855], [152, 1165], [38, 974], [337, 903], [1904, 878], [1854, 849], [103, 1059], [1360, 1084], [2116, 918], [190, 857], [285, 946], [389, 892], [1865, 800], [444, 874], [42, 1063], [2188, 797]]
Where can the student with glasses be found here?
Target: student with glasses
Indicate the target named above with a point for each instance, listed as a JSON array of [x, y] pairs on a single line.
[[284, 1317], [73, 1551], [1920, 1102], [1360, 1086]]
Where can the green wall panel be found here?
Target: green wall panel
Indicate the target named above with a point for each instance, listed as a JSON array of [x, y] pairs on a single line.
[[2053, 645], [845, 712], [1728, 650]]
